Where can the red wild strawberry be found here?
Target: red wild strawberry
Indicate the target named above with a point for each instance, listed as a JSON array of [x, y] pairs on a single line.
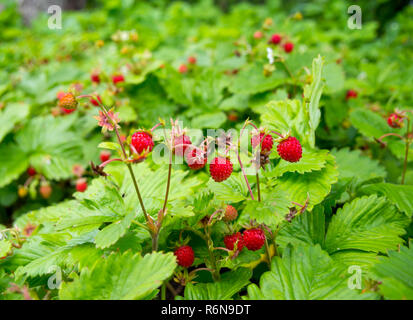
[[96, 102], [105, 155], [68, 111], [45, 190], [191, 60], [275, 38], [220, 169], [60, 94], [232, 117], [195, 158], [290, 149], [181, 143], [351, 94], [288, 47], [253, 239], [266, 142], [142, 141], [185, 256], [258, 34], [183, 68], [68, 101], [230, 213], [118, 78], [81, 185], [230, 241], [31, 171], [94, 77], [395, 120]]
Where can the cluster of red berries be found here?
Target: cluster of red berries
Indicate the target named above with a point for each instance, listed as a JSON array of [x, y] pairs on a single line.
[[395, 120], [253, 239], [276, 39], [351, 94], [183, 68]]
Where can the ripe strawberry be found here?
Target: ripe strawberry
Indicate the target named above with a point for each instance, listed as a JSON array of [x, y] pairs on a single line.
[[68, 102], [185, 256], [395, 120], [230, 213], [94, 77], [96, 102], [142, 141], [195, 158], [81, 185], [290, 149], [253, 239], [105, 155], [220, 169], [230, 241], [118, 78], [181, 143], [288, 47], [31, 171], [183, 68], [275, 38], [67, 111], [45, 190], [351, 94], [258, 34], [191, 60], [266, 144]]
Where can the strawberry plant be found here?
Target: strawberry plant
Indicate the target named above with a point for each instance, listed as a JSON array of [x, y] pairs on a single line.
[[177, 152]]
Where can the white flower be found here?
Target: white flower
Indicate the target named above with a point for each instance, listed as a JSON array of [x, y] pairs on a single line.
[[270, 55]]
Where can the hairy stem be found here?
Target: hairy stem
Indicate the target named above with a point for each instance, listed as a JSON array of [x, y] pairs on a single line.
[[258, 186]]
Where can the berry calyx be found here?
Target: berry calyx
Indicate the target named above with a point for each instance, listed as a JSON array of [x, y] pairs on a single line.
[[230, 213], [31, 171], [81, 185], [68, 102], [266, 141], [254, 239], [181, 143], [220, 169], [230, 241], [275, 38], [185, 256], [183, 68], [195, 158], [351, 94], [105, 155], [117, 78], [45, 190], [290, 149], [288, 47], [142, 141], [191, 60], [395, 120]]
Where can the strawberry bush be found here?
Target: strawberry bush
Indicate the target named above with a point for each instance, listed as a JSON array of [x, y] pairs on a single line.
[[177, 151]]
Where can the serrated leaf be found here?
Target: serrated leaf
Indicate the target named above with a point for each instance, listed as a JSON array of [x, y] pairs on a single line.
[[110, 234], [14, 113], [5, 247], [13, 162], [233, 189], [369, 123], [121, 277]]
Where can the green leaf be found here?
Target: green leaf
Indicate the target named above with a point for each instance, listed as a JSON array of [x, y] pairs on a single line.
[[5, 247], [209, 120], [399, 195], [231, 282], [334, 77], [304, 273], [110, 234], [233, 189], [395, 273], [110, 146], [14, 113], [369, 123], [13, 162], [121, 277], [368, 223]]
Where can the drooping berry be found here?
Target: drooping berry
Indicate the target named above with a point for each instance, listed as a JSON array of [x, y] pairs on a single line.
[[351, 94], [45, 190], [183, 68], [230, 213], [230, 241], [254, 239], [266, 142], [290, 149], [81, 185], [181, 143], [185, 256], [105, 155], [195, 158], [31, 171], [288, 47], [117, 78], [68, 101], [275, 38], [95, 102], [191, 60], [220, 169], [94, 77], [395, 121], [258, 34], [142, 141]]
